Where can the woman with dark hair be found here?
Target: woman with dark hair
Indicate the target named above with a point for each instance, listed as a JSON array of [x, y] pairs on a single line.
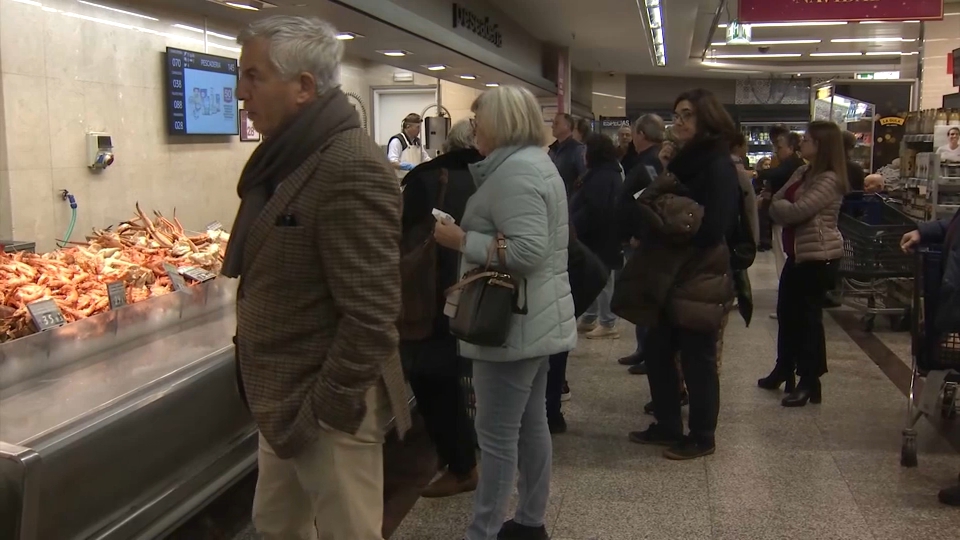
[[684, 289], [808, 208], [855, 172], [592, 213]]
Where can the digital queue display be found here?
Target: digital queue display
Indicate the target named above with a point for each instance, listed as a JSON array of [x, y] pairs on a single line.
[[201, 94]]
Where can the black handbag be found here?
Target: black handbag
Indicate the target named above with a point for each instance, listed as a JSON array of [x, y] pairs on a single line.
[[487, 302]]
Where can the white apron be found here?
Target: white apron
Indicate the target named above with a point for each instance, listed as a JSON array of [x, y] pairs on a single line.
[[413, 155]]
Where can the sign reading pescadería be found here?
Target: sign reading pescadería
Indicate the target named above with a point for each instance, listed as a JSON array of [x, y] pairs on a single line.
[[481, 26]]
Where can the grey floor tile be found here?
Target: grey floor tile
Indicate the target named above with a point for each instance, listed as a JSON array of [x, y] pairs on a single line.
[[648, 519]]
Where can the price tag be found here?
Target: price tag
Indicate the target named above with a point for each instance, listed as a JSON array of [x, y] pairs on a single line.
[[117, 292], [198, 274], [175, 278], [214, 226], [46, 314]]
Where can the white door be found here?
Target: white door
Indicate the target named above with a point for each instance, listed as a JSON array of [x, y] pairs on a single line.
[[390, 106]]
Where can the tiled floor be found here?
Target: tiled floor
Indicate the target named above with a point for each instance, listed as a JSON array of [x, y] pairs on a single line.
[[821, 472]]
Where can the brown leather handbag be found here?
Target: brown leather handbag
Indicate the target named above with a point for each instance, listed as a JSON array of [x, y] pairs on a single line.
[[418, 273], [487, 302]]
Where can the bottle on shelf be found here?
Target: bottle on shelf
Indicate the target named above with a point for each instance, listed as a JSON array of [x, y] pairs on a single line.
[[942, 118], [954, 117]]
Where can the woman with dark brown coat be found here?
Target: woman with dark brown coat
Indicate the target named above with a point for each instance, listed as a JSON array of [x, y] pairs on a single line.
[[808, 208], [687, 298]]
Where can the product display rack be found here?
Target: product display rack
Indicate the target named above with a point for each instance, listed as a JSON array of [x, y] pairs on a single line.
[[757, 134], [855, 116]]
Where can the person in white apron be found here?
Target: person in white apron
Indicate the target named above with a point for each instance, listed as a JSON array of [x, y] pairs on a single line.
[[404, 150]]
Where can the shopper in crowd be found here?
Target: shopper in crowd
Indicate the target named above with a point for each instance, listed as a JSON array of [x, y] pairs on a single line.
[[626, 150], [739, 151], [808, 208], [520, 196], [786, 160], [581, 130], [592, 214], [683, 287], [942, 233], [433, 365], [404, 150], [316, 246], [855, 172], [647, 135], [566, 152]]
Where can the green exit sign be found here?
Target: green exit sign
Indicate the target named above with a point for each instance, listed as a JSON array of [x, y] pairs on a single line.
[[879, 75]]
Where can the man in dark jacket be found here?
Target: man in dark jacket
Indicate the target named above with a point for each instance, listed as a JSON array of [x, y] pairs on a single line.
[[566, 152], [432, 365], [648, 132]]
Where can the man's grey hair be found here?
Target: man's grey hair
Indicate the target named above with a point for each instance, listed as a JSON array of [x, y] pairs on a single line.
[[651, 126], [460, 137], [298, 45]]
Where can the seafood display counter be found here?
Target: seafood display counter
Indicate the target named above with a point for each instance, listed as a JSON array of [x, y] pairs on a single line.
[[122, 424]]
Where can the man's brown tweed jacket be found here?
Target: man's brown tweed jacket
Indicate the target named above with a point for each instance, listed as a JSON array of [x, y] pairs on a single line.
[[319, 300]]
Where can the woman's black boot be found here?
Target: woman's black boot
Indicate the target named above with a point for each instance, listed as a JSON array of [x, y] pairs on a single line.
[[779, 375], [807, 390]]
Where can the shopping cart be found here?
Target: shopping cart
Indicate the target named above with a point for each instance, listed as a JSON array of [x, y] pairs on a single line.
[[936, 356], [874, 272]]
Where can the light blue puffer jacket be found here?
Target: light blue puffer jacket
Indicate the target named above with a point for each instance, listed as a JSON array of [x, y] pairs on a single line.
[[520, 194]]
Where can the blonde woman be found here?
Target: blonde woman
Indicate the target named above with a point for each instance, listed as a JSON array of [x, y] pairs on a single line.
[[520, 195]]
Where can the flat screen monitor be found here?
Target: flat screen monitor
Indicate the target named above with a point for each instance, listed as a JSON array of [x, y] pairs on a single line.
[[201, 94]]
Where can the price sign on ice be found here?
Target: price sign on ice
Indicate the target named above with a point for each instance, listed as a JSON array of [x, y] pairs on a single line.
[[198, 274], [46, 314], [117, 292], [175, 278]]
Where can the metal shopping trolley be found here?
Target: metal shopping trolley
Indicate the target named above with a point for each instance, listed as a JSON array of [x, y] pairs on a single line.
[[936, 356], [875, 273]]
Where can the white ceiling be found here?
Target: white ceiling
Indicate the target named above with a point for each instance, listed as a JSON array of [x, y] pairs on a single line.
[[378, 36], [611, 35]]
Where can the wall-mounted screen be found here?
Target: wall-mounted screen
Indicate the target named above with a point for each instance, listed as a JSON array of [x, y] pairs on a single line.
[[201, 94]]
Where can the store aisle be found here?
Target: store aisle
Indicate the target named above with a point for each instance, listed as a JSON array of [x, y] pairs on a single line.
[[823, 472]]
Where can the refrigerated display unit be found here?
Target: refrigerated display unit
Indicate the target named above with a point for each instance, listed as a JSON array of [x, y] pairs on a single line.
[[853, 115], [757, 135]]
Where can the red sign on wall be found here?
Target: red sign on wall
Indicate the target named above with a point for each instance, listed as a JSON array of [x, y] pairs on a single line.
[[761, 11]]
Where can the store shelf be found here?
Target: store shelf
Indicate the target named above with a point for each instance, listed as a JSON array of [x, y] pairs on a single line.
[[918, 138]]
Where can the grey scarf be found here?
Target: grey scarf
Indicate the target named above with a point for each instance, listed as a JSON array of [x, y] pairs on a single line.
[[277, 158]]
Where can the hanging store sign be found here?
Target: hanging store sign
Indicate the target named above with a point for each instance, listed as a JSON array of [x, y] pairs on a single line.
[[481, 26], [615, 122], [764, 11], [738, 34]]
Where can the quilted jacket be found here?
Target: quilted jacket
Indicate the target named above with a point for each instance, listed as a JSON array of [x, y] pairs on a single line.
[[814, 215], [521, 195]]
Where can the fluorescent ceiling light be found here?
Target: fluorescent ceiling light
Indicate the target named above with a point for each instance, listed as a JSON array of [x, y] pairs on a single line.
[[872, 40], [108, 8], [609, 95], [393, 53], [346, 36], [879, 53], [468, 77], [492, 85], [29, 3], [909, 53], [882, 22], [200, 31], [655, 22], [779, 24], [438, 67], [771, 42], [781, 55], [836, 54], [238, 5]]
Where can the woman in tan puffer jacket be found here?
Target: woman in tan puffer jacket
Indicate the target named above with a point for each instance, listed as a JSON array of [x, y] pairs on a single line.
[[808, 208]]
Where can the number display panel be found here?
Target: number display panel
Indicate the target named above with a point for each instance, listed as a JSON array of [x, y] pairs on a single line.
[[201, 94]]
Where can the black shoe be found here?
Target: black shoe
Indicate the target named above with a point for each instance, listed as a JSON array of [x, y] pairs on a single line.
[[950, 495], [655, 434], [631, 360], [689, 448], [684, 401], [777, 377], [807, 390], [557, 424], [512, 530], [638, 369]]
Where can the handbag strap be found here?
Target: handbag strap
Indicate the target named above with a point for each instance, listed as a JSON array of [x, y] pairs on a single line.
[[500, 248], [475, 277]]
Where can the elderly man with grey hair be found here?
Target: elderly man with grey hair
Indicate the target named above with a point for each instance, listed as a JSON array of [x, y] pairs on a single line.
[[316, 247]]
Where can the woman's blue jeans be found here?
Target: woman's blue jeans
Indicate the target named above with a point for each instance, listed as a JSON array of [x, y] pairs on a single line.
[[512, 431]]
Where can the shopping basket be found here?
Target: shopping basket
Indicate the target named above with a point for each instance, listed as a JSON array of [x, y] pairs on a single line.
[[872, 230], [936, 355]]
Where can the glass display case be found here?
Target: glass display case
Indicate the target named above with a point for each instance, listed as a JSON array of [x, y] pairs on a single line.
[[855, 116]]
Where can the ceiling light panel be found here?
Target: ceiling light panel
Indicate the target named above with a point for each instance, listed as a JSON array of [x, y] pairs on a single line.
[[873, 40], [825, 54], [772, 55], [801, 23], [115, 10], [655, 18], [347, 36], [771, 42]]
